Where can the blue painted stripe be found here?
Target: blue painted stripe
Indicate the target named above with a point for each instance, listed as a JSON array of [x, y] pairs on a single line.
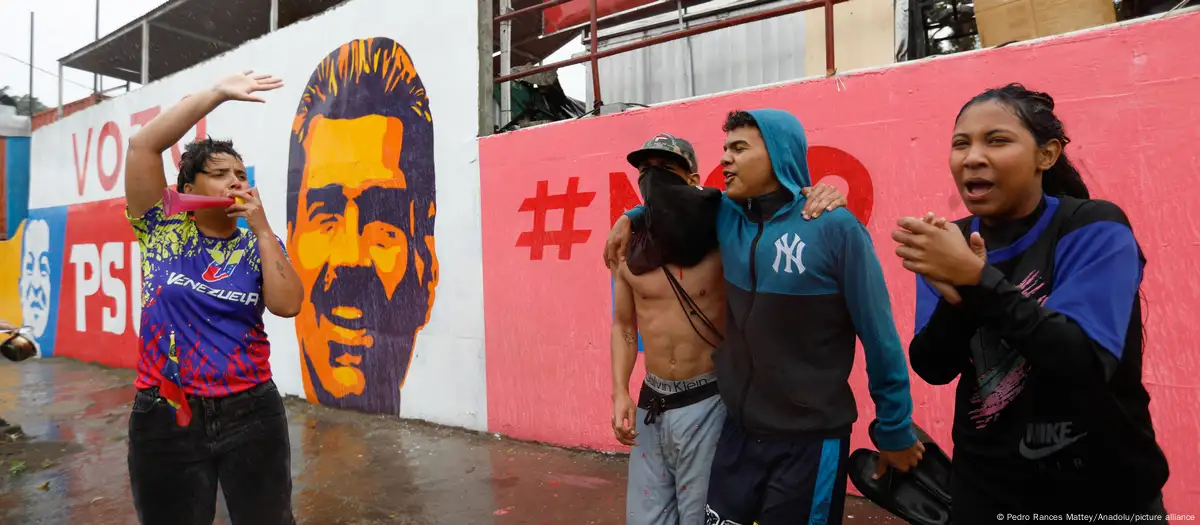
[[250, 181], [16, 181], [831, 452], [612, 299], [1027, 240]]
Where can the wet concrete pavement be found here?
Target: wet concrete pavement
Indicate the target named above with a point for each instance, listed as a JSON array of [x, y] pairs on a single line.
[[349, 468]]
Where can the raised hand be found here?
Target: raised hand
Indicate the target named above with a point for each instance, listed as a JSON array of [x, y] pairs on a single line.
[[242, 86]]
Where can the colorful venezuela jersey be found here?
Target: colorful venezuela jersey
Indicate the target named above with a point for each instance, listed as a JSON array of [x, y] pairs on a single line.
[[202, 310]]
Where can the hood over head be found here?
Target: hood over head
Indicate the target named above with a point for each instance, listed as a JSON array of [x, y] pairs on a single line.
[[787, 145]]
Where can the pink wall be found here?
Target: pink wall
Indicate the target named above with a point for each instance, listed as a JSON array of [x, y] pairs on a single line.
[[1127, 95]]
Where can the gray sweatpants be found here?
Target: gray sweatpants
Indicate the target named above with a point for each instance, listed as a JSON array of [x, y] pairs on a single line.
[[669, 467]]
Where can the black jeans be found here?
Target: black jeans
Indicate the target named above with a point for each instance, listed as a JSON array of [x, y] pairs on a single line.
[[240, 441]]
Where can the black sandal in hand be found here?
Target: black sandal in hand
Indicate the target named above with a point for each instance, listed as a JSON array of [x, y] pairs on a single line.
[[920, 496]]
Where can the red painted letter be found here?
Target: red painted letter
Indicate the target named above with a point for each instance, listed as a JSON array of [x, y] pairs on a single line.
[[81, 171], [109, 180], [621, 196], [825, 161]]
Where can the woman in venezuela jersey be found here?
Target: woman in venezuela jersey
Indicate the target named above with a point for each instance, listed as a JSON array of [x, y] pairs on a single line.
[[206, 409], [1033, 303]]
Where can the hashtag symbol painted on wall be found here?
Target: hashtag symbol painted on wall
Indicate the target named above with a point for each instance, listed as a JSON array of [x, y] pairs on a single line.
[[538, 238]]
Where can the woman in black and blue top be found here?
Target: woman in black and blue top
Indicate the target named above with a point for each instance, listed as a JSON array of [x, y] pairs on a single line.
[[1034, 301]]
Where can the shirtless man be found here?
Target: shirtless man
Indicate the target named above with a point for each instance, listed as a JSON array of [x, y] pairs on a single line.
[[671, 288]]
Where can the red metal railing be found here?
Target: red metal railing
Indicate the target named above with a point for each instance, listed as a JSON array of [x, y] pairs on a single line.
[[594, 55], [531, 9]]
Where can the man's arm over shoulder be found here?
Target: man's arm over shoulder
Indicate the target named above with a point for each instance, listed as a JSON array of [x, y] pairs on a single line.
[[866, 295]]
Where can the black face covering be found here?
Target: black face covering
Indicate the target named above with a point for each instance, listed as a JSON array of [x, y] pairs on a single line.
[[680, 222]]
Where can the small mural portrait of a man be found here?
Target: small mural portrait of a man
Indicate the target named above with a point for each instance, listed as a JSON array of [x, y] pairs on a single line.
[[36, 283], [360, 214]]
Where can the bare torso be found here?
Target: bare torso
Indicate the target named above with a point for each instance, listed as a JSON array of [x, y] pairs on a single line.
[[673, 349]]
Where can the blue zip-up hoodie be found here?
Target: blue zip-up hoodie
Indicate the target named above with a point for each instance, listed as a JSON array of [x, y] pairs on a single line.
[[799, 292]]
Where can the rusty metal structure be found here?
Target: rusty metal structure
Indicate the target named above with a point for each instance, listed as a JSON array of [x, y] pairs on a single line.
[[507, 14]]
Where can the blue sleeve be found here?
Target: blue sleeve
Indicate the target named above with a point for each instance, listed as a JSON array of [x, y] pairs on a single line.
[[870, 307], [636, 213], [1097, 272], [927, 301]]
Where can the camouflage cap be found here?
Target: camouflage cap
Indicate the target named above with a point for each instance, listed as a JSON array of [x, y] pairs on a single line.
[[669, 144]]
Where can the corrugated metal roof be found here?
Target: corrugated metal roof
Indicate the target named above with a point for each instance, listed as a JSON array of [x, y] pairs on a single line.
[[762, 52], [212, 27]]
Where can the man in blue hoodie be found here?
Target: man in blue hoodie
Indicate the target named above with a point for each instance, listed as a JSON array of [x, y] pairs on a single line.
[[798, 293]]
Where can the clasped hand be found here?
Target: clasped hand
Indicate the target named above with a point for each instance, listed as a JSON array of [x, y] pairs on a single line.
[[936, 249]]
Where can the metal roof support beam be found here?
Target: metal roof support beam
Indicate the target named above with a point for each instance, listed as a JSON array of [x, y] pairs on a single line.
[[830, 64], [505, 63], [595, 33], [274, 15], [95, 76], [145, 52], [189, 34], [60, 82], [29, 97]]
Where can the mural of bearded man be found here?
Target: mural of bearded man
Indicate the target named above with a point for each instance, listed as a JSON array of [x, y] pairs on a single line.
[[361, 210]]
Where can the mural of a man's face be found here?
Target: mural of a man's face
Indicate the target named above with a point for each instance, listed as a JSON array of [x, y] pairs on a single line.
[[35, 279], [360, 225]]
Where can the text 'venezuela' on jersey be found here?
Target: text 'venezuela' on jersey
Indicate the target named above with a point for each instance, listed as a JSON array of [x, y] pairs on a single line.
[[800, 292], [202, 308], [1050, 413]]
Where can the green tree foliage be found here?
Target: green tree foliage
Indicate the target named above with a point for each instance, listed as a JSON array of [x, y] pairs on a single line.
[[23, 102]]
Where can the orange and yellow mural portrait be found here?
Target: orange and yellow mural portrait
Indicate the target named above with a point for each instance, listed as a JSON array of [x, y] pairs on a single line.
[[360, 214]]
